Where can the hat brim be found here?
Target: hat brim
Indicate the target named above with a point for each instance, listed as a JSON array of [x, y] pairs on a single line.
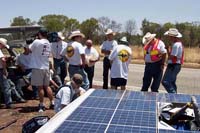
[[147, 42], [168, 34], [112, 33], [77, 34], [62, 37]]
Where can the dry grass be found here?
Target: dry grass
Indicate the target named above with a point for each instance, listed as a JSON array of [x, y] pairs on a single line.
[[191, 59]]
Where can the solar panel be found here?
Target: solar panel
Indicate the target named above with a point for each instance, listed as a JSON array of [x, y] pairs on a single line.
[[114, 111]]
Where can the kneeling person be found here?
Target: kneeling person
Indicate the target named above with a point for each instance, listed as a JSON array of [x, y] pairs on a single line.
[[69, 92]]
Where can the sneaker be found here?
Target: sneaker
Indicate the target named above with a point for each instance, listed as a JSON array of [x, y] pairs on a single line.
[[9, 106], [21, 100], [51, 106], [41, 108]]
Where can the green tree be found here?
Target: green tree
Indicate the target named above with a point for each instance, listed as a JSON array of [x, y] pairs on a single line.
[[90, 28], [71, 24], [53, 22], [21, 21]]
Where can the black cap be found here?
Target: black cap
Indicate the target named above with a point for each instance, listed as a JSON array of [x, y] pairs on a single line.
[[43, 31]]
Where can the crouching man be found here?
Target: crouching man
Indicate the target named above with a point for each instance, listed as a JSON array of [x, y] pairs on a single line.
[[70, 91]]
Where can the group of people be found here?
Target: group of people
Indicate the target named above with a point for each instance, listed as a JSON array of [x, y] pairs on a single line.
[[34, 63], [155, 52]]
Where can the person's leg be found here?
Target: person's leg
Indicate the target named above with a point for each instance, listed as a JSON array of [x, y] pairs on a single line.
[[168, 79], [90, 73], [4, 85], [85, 79], [106, 67], [123, 87], [157, 76], [147, 78], [113, 83], [63, 70], [177, 69]]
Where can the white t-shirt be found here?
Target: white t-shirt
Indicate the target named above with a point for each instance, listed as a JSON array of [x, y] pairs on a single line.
[[40, 54], [120, 57], [91, 54], [56, 48], [1, 56], [23, 60], [177, 50], [64, 96], [108, 45], [73, 52], [161, 48]]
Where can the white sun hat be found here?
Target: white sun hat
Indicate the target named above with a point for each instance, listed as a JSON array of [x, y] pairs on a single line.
[[110, 31], [76, 33], [173, 32], [60, 35], [3, 41], [148, 37]]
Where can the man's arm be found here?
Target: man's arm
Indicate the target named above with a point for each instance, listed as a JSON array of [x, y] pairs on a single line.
[[3, 60], [83, 59]]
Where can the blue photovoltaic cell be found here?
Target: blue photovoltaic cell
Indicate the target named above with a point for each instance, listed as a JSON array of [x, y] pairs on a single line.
[[134, 118], [138, 105], [91, 115], [140, 95], [176, 131], [107, 93], [130, 129], [168, 97], [97, 102], [76, 127]]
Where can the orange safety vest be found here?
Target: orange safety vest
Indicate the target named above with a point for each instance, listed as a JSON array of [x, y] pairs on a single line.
[[174, 59], [154, 51]]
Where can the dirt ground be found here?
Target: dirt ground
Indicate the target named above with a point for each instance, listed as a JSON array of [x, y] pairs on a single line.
[[12, 119]]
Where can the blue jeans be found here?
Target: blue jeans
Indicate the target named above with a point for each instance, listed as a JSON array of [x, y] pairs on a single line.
[[60, 68], [169, 79], [5, 87], [77, 69], [152, 71]]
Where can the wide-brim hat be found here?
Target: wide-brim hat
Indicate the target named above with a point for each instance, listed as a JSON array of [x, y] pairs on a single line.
[[3, 41], [148, 37], [110, 31], [123, 40], [76, 33], [173, 32], [60, 35]]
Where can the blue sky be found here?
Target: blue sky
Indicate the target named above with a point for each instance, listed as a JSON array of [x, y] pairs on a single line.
[[160, 11]]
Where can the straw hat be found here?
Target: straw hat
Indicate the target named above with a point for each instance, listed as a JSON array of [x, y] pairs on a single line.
[[123, 40], [60, 35], [173, 32], [3, 41], [148, 37], [109, 31], [76, 33]]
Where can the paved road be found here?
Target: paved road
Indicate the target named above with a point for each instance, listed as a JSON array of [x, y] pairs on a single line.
[[188, 80]]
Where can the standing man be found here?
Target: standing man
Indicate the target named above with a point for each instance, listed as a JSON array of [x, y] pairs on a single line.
[[75, 54], [154, 56], [106, 48], [92, 56], [175, 59], [120, 58], [59, 62], [41, 49]]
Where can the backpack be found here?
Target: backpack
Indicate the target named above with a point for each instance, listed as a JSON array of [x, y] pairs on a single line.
[[71, 97], [34, 124]]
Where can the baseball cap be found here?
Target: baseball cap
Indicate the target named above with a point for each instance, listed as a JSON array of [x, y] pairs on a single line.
[[77, 78]]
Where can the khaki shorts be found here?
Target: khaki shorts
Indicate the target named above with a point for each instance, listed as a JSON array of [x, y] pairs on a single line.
[[40, 77]]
